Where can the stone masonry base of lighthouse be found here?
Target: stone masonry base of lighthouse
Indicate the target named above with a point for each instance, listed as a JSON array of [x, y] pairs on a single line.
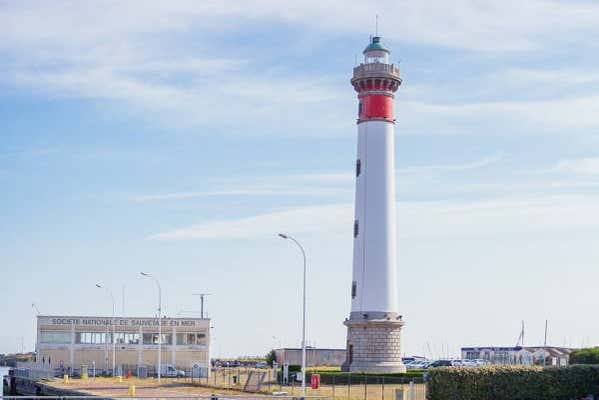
[[374, 343]]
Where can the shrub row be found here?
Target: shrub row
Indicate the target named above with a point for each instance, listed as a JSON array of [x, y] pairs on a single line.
[[355, 378], [513, 383], [585, 356]]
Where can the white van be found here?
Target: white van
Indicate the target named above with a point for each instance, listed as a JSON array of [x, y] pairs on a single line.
[[168, 371]]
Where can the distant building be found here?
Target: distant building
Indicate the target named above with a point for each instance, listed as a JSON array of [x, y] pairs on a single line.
[[314, 356], [529, 355], [73, 341]]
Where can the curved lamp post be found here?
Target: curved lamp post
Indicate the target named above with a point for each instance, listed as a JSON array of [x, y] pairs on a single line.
[[113, 323], [289, 237], [159, 320]]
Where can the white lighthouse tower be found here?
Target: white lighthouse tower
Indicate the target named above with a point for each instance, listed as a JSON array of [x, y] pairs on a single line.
[[374, 325]]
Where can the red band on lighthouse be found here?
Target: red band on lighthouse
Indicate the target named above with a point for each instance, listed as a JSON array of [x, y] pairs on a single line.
[[378, 106]]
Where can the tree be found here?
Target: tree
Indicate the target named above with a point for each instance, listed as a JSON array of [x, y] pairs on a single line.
[[270, 357]]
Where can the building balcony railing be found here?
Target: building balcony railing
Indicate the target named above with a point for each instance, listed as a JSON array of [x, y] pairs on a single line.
[[376, 70]]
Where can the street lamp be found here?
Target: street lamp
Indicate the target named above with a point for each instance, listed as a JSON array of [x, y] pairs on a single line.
[[159, 320], [289, 237], [113, 323], [37, 314]]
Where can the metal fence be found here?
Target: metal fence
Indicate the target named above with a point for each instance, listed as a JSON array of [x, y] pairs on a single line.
[[187, 397], [335, 387]]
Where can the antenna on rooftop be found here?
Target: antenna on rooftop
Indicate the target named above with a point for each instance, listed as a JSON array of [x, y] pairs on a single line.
[[202, 296], [376, 25]]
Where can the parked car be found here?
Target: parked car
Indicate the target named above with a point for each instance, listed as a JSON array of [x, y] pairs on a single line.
[[440, 363], [417, 365]]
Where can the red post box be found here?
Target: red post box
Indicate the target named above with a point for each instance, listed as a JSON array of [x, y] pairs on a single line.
[[315, 381]]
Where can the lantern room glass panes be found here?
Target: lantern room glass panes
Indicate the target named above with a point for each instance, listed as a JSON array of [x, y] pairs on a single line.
[[376, 56]]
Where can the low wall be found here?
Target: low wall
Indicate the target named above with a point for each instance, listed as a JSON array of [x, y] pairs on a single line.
[[33, 387]]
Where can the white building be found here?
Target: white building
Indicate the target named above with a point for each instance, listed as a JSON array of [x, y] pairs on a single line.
[[529, 355], [75, 341]]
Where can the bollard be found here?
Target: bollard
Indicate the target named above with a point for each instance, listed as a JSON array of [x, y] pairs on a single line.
[[131, 390], [84, 375], [119, 379], [65, 378]]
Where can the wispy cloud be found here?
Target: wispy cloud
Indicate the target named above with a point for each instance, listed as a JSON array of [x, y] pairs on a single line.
[[441, 168], [121, 53], [416, 220], [485, 25], [298, 220], [580, 166], [321, 184], [554, 116], [191, 195]]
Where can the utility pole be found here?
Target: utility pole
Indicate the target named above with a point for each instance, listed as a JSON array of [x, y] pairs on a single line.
[[202, 296]]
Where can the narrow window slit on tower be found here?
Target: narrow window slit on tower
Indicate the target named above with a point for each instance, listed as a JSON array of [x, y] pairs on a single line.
[[354, 287], [356, 228], [358, 167]]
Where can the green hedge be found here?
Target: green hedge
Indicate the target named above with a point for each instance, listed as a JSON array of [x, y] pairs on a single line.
[[355, 378], [585, 356], [512, 383]]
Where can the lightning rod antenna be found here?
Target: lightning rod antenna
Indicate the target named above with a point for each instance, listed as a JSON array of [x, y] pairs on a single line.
[[376, 25]]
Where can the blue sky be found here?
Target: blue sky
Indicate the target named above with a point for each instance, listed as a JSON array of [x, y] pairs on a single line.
[[179, 137]]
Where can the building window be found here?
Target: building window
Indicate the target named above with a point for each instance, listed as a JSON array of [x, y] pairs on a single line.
[[191, 338], [91, 338], [127, 338], [472, 355], [358, 168], [152, 338], [132, 338], [359, 109], [356, 228], [350, 353], [55, 337], [354, 287]]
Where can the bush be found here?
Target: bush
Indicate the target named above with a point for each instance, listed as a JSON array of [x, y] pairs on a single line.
[[295, 368], [356, 378], [585, 356], [512, 383]]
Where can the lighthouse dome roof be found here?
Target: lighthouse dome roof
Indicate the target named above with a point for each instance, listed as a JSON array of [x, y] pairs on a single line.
[[375, 45]]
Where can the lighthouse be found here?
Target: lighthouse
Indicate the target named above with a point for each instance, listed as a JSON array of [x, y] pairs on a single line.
[[374, 324]]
